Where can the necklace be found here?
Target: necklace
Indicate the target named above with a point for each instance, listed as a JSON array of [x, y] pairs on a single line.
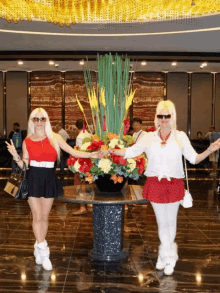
[[164, 140]]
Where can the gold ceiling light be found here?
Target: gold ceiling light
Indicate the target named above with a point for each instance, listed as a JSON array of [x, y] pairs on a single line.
[[67, 12]]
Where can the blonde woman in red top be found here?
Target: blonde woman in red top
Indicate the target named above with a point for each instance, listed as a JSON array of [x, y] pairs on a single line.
[[41, 149]]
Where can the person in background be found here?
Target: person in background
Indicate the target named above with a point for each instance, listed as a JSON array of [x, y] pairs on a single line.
[[65, 136], [81, 135], [17, 137], [91, 126], [213, 135], [199, 136], [137, 127], [130, 131], [137, 135]]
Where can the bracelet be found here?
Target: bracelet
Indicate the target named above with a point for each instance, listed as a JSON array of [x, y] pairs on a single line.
[[18, 159]]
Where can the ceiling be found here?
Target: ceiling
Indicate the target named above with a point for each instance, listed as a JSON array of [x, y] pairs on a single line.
[[135, 66], [197, 34]]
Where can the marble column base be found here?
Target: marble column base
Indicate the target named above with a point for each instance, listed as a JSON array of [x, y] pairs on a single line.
[[108, 228]]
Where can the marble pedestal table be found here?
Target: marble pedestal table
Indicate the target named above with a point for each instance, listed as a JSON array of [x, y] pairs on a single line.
[[108, 217]]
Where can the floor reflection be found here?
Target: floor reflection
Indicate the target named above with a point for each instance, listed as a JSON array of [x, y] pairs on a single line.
[[70, 240]]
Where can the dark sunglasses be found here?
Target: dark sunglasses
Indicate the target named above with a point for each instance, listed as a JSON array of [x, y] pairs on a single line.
[[168, 116], [37, 119]]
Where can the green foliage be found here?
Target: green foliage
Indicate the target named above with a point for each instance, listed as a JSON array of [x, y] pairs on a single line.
[[115, 79], [86, 139]]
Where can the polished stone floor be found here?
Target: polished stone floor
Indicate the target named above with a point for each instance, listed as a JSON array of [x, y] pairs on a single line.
[[70, 240]]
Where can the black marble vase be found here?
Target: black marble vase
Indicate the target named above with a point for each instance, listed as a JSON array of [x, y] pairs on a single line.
[[106, 184]]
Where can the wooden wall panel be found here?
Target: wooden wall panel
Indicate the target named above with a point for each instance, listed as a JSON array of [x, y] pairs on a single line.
[[149, 91], [46, 92], [75, 85]]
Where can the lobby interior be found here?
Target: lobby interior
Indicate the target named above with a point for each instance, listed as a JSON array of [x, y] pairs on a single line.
[[41, 65]]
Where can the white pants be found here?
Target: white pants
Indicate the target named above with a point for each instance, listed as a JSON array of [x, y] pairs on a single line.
[[166, 216]]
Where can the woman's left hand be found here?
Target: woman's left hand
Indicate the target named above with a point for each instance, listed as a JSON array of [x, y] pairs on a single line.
[[215, 145]]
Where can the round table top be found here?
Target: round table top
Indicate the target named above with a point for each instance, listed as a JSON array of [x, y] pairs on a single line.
[[89, 194]]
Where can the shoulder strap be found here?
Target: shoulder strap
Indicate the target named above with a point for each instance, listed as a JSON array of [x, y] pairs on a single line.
[[187, 183], [138, 136]]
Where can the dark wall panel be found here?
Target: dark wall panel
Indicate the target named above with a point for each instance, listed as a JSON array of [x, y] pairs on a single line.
[[1, 104], [16, 104], [177, 92], [46, 92], [149, 91], [201, 103], [217, 103], [75, 85]]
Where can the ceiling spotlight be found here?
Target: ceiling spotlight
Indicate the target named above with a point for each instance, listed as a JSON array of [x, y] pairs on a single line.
[[174, 63], [143, 63], [56, 65], [204, 64], [51, 62], [20, 63], [81, 62]]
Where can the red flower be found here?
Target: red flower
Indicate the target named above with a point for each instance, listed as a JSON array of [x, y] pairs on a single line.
[[71, 161], [122, 161], [115, 159], [85, 168], [141, 169], [95, 145], [86, 165]]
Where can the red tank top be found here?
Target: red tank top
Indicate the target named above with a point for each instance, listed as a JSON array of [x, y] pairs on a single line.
[[41, 150]]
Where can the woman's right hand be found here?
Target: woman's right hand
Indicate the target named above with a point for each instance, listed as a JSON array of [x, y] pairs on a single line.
[[12, 149]]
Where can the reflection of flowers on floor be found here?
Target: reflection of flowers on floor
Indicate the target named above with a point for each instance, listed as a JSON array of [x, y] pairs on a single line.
[[116, 166]]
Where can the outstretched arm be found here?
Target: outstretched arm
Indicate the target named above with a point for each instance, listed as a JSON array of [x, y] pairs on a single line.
[[212, 148], [78, 154]]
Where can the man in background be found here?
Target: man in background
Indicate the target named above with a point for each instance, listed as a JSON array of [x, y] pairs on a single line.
[[17, 137], [137, 127], [65, 136], [213, 135]]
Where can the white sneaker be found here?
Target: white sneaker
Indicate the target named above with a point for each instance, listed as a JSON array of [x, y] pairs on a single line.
[[160, 265], [44, 254], [169, 269], [38, 259]]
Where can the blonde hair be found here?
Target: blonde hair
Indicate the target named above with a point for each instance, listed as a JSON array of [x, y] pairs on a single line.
[[48, 129], [168, 105]]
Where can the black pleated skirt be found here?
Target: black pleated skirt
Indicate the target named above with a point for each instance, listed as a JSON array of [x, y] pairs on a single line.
[[42, 182]]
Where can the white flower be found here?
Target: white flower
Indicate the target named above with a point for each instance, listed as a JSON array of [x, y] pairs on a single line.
[[77, 166], [121, 146], [105, 165], [85, 146], [114, 142], [131, 164]]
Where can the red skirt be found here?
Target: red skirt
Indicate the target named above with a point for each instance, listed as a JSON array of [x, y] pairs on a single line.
[[163, 191]]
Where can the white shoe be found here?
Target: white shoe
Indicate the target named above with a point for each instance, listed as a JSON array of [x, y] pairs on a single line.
[[45, 254], [169, 269], [160, 265], [38, 258]]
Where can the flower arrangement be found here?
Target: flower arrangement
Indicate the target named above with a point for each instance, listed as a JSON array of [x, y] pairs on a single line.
[[116, 166], [110, 101]]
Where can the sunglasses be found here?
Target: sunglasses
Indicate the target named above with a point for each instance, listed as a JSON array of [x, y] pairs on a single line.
[[37, 119], [168, 116]]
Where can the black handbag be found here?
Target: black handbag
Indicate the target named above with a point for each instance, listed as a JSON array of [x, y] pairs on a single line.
[[17, 184]]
